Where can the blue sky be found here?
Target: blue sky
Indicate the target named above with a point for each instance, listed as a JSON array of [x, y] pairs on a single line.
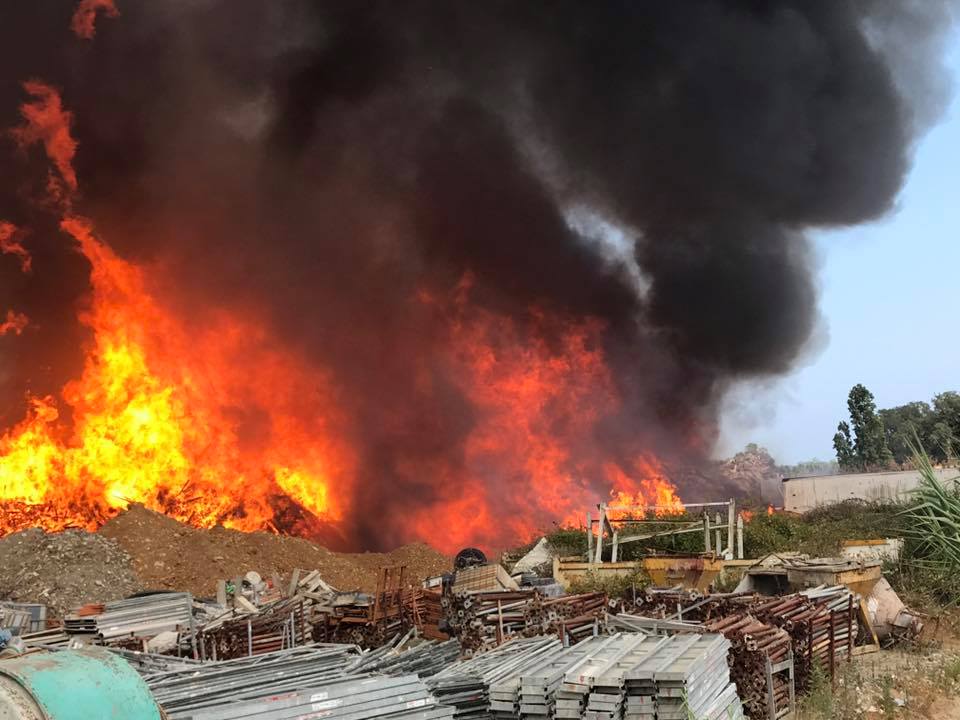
[[889, 294]]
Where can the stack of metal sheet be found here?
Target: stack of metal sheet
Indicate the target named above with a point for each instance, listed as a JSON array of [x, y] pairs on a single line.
[[579, 680], [693, 683], [152, 663], [504, 687], [52, 638], [466, 695], [25, 617], [426, 659], [184, 692], [683, 676], [358, 698], [538, 686], [607, 699], [490, 682], [136, 618]]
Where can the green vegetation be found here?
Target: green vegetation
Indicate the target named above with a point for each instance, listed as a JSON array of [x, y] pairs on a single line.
[[862, 444], [877, 439], [616, 587], [932, 528], [818, 533]]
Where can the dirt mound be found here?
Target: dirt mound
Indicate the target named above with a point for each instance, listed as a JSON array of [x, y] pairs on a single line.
[[169, 555], [64, 570]]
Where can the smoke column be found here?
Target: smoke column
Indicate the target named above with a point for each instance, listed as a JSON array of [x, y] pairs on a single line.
[[326, 164]]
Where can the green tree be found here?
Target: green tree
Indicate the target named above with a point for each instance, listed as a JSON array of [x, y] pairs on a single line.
[[945, 430], [904, 423], [866, 446], [846, 457]]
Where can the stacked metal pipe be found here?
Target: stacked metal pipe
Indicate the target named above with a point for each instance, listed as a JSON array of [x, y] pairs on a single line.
[[821, 621], [483, 620], [399, 698], [426, 659], [277, 626], [754, 644], [133, 620], [183, 692], [823, 624]]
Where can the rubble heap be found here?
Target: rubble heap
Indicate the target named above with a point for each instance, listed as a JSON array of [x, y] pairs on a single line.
[[65, 568], [168, 555]]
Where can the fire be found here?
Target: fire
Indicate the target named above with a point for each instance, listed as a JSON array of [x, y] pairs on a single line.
[[11, 245], [14, 323], [152, 421], [84, 19], [532, 459], [647, 486], [209, 419], [45, 121], [747, 515]]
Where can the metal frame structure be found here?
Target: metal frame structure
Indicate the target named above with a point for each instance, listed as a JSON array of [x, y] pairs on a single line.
[[713, 533]]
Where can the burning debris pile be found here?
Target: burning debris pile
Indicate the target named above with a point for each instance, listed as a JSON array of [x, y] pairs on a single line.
[[247, 281]]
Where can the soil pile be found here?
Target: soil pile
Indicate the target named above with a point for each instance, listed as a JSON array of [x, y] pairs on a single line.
[[64, 570], [169, 555]]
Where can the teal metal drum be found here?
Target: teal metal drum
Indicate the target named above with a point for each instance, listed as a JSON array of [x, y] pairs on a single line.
[[87, 684]]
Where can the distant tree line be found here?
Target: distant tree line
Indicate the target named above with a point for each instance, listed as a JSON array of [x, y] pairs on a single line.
[[879, 439]]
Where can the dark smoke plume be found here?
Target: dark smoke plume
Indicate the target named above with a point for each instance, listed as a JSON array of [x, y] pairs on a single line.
[[331, 159]]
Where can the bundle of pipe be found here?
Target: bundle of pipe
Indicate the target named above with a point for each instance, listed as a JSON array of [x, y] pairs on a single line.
[[573, 617], [183, 692], [277, 626], [823, 624], [425, 659], [149, 663], [483, 620], [134, 620], [755, 645], [398, 698], [822, 621]]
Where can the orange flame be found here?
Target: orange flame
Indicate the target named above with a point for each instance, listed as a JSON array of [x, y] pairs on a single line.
[[165, 414], [84, 22], [153, 424], [532, 458], [747, 515], [10, 245], [14, 323], [46, 122], [646, 487], [769, 509]]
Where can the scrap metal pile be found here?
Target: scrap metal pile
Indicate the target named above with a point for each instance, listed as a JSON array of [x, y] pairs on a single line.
[[188, 690], [284, 650], [789, 634], [275, 626], [483, 620], [128, 623], [632, 676]]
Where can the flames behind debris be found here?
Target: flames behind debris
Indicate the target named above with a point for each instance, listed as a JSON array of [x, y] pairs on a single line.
[[375, 271]]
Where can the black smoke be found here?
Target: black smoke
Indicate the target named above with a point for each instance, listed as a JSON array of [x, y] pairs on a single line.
[[329, 160]]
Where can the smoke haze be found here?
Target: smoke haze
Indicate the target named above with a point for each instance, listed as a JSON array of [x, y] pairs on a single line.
[[344, 171]]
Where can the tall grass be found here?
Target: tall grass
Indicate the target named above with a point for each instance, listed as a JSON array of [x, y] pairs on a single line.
[[932, 531]]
